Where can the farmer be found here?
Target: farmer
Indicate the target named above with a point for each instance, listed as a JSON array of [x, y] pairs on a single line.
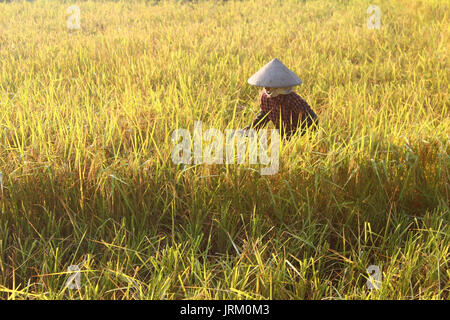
[[279, 103]]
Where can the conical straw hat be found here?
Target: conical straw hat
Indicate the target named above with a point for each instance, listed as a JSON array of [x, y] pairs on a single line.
[[274, 75]]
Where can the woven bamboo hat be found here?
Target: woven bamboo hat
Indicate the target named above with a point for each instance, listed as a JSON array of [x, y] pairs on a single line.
[[274, 75]]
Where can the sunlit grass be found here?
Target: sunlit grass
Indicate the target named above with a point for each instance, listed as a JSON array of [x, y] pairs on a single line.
[[85, 143]]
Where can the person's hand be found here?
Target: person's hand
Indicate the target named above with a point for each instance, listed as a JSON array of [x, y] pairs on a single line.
[[245, 132], [239, 133]]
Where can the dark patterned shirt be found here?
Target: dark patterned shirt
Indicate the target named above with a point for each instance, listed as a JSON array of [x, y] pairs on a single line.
[[289, 110]]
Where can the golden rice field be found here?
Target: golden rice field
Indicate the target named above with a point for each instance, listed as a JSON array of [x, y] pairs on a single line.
[[85, 151]]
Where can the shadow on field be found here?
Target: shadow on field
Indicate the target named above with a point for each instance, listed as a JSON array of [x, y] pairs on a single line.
[[54, 217]]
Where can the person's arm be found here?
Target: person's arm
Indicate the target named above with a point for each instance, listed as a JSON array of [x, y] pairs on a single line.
[[262, 118], [309, 119], [260, 121]]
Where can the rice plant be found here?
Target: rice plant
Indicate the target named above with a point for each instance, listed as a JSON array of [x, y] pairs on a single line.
[[87, 178]]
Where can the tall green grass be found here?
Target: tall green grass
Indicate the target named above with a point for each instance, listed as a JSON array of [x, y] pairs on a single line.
[[85, 142]]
